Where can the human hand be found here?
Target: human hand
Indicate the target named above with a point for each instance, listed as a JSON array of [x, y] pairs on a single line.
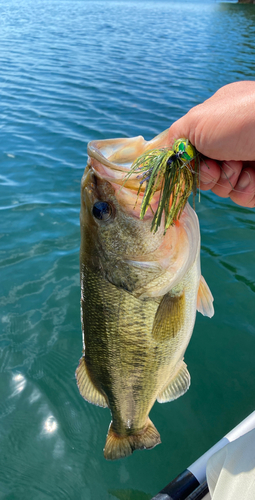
[[223, 128]]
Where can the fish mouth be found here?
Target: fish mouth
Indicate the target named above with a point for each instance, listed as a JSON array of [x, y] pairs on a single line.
[[119, 154], [111, 160]]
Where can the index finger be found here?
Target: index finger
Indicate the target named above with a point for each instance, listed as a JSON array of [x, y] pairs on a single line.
[[209, 174]]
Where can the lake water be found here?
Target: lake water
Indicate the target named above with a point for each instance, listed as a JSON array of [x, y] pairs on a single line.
[[72, 71]]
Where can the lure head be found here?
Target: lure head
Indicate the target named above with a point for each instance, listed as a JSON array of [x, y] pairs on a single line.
[[186, 151]]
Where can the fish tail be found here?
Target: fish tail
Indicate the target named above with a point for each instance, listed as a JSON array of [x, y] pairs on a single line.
[[121, 446]]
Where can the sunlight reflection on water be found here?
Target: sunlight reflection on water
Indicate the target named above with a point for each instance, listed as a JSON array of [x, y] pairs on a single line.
[[50, 424], [20, 384]]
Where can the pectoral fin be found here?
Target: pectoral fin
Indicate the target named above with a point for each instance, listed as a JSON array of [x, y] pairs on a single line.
[[86, 387], [177, 387], [205, 299], [169, 317]]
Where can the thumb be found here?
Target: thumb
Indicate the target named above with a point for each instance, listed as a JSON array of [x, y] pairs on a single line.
[[180, 130]]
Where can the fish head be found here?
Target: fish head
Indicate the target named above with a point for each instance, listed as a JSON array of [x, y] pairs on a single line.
[[115, 241]]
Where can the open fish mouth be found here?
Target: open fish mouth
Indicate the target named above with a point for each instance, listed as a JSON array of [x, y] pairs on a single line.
[[111, 160], [119, 154]]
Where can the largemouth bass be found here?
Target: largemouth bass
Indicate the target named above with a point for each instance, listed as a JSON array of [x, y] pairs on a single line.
[[139, 296]]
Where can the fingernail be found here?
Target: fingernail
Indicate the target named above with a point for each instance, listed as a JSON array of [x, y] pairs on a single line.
[[226, 171], [244, 180], [207, 178]]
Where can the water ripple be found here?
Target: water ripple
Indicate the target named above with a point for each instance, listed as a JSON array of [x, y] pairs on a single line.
[[73, 71]]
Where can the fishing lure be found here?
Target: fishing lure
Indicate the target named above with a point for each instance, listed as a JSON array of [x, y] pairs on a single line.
[[175, 172]]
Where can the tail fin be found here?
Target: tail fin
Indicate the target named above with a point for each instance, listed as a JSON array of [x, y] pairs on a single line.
[[119, 447]]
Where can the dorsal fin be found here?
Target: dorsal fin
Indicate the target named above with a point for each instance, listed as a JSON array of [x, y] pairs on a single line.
[[205, 299], [86, 387]]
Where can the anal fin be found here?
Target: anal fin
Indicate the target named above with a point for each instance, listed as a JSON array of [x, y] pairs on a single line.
[[86, 387], [177, 387], [205, 299]]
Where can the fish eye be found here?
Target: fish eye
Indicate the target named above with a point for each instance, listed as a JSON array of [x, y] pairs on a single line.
[[102, 210]]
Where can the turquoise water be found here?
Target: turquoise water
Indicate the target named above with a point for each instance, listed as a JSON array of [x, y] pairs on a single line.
[[72, 71]]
